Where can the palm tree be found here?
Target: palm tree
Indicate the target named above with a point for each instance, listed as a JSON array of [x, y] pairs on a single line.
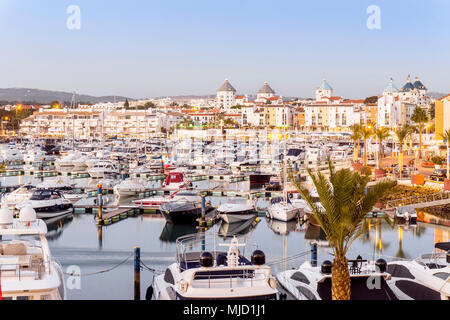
[[402, 134], [345, 204], [421, 118], [356, 137], [446, 136], [366, 133], [381, 134]]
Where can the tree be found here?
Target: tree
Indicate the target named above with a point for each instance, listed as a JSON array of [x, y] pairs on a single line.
[[402, 134], [149, 105], [371, 100], [126, 105], [366, 133], [381, 135], [356, 137], [420, 117], [345, 205], [446, 136], [432, 111]]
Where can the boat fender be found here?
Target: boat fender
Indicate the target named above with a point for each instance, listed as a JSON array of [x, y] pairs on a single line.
[[149, 293], [206, 260], [381, 265], [326, 267], [258, 258]]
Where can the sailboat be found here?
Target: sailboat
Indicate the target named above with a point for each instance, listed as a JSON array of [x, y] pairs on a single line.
[[283, 210]]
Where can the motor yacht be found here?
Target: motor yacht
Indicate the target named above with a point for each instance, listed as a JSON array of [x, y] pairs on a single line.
[[47, 204], [425, 278], [103, 169], [154, 203], [131, 187], [310, 282], [235, 211], [28, 271], [215, 275]]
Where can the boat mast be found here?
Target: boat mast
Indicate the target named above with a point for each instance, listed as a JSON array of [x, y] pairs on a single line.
[[284, 161]]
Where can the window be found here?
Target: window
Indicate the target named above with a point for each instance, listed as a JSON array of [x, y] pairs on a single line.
[[300, 277], [168, 277], [442, 275], [306, 293]]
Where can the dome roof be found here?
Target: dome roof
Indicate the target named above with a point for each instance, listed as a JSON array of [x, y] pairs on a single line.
[[408, 86], [391, 87], [226, 87], [27, 214], [266, 89], [6, 217], [419, 85], [325, 86]]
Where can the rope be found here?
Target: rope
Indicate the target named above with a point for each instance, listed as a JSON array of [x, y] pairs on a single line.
[[300, 255], [148, 268], [99, 272]]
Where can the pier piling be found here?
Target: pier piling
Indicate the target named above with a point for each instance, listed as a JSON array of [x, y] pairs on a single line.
[[137, 273], [314, 254]]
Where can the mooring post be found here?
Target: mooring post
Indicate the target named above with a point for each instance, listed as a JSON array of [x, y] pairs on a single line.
[[314, 254], [137, 273], [203, 208], [100, 201]]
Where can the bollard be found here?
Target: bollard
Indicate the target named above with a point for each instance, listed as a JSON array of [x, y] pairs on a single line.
[[100, 201], [314, 254], [203, 208], [137, 273]]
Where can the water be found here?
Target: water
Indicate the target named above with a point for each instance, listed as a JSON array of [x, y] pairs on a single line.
[[77, 241]]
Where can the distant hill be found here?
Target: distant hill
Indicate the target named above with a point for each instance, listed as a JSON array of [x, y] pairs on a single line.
[[47, 96], [436, 95]]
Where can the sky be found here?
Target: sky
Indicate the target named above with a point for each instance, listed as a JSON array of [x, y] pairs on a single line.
[[147, 48]]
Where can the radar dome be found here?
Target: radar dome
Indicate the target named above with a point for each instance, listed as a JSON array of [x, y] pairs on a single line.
[[6, 217], [27, 214]]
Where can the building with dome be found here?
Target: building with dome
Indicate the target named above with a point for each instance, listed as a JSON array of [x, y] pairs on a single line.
[[266, 95], [226, 96], [324, 92], [414, 92], [396, 106]]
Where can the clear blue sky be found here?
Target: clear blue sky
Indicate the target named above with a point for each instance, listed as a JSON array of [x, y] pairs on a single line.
[[142, 48]]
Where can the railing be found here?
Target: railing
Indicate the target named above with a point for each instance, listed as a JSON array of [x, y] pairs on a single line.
[[35, 269], [418, 199], [245, 277]]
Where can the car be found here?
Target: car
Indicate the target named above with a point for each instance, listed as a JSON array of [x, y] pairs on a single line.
[[438, 175]]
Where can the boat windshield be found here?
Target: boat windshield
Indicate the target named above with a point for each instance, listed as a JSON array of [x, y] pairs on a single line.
[[45, 195]]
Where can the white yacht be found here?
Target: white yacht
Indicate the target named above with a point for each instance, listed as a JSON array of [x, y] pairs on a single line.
[[425, 278], [215, 275], [282, 209], [21, 194], [130, 187], [47, 204], [28, 271], [234, 211], [102, 169], [309, 282]]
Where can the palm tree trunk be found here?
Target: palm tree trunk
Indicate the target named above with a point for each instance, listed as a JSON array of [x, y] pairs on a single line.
[[365, 153], [400, 160], [448, 157], [420, 143], [340, 279], [380, 155]]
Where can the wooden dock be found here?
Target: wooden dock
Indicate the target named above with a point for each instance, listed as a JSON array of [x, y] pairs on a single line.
[[116, 215]]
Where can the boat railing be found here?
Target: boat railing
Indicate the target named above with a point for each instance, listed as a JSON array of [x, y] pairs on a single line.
[[24, 270], [202, 242], [246, 277]]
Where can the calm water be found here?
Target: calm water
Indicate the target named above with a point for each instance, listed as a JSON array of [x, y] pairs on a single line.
[[76, 240]]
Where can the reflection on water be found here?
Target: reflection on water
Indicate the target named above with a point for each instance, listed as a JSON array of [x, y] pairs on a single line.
[[76, 240]]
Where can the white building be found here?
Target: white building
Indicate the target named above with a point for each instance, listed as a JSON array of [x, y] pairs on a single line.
[[324, 91], [226, 96], [395, 107]]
